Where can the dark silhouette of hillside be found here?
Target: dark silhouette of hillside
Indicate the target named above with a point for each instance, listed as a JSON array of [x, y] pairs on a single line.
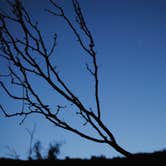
[[142, 158]]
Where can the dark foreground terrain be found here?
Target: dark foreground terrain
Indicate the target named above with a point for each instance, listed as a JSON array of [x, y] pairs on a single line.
[[155, 158]]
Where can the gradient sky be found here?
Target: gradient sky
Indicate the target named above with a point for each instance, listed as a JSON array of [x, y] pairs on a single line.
[[130, 37]]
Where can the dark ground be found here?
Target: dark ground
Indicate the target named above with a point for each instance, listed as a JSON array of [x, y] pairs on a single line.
[[155, 158]]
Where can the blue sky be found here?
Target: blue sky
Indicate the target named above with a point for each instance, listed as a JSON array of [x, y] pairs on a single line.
[[130, 38]]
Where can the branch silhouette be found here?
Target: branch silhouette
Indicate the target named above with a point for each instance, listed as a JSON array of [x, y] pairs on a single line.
[[24, 54]]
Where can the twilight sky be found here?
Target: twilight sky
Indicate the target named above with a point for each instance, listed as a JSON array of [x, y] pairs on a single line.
[[130, 38]]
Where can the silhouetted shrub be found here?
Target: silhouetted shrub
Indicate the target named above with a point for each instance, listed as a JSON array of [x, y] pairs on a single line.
[[51, 154], [37, 150], [53, 151]]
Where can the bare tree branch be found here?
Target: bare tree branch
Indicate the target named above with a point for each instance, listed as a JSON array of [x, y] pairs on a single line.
[[28, 56]]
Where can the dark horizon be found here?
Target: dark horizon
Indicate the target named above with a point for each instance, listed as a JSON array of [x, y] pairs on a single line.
[[130, 43]]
